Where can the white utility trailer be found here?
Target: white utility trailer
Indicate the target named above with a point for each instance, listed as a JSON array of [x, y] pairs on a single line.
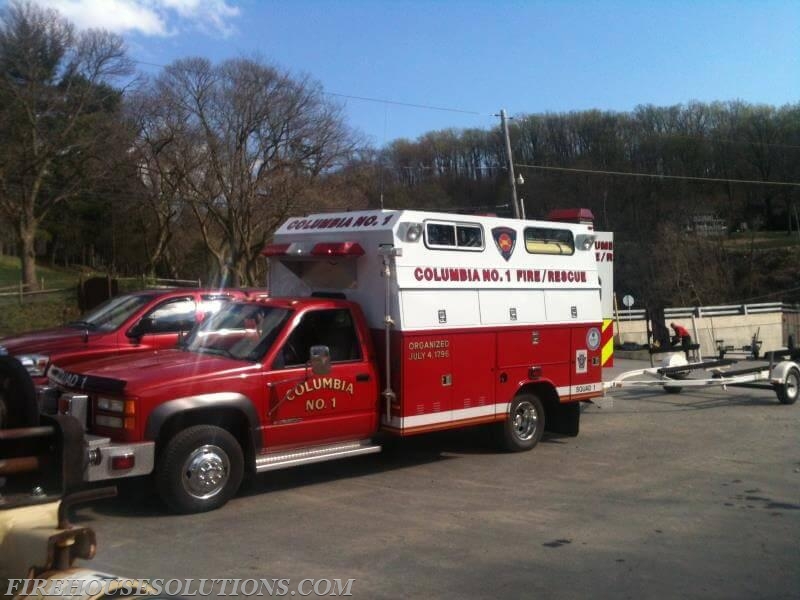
[[675, 373]]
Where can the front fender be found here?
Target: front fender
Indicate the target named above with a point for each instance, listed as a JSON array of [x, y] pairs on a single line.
[[225, 400]]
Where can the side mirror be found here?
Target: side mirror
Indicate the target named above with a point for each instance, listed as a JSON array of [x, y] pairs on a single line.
[[145, 325], [320, 360]]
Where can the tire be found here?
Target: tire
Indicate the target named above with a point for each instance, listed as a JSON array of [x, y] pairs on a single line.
[[200, 469], [18, 406], [790, 388], [669, 389], [524, 425]]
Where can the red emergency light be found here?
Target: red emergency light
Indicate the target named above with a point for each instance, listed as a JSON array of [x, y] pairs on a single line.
[[337, 249], [275, 249], [571, 215]]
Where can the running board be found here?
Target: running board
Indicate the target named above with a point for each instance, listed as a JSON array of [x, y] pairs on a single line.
[[314, 454]]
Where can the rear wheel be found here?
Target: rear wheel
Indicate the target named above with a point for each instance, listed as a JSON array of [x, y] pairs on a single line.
[[524, 425], [790, 388], [18, 406], [200, 469]]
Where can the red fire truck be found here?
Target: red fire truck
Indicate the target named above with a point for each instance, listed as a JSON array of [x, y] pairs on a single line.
[[380, 323]]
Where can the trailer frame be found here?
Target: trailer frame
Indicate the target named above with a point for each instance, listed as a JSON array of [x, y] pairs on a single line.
[[782, 377]]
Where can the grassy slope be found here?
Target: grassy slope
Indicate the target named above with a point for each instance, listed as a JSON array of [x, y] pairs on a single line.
[[36, 312]]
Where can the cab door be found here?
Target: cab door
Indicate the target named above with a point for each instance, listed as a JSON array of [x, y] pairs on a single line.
[[162, 325], [306, 409]]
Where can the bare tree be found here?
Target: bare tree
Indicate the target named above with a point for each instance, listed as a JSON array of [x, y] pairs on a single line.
[[252, 140], [56, 103], [163, 161]]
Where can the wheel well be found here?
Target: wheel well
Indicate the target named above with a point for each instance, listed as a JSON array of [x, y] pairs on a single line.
[[558, 417], [229, 419]]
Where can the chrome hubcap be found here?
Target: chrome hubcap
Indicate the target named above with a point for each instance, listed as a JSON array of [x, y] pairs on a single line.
[[206, 471], [792, 384], [525, 421]]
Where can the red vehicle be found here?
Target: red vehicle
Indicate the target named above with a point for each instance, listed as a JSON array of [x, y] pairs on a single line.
[[384, 323], [136, 322]]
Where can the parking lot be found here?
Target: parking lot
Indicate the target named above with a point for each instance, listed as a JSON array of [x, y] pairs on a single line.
[[688, 495]]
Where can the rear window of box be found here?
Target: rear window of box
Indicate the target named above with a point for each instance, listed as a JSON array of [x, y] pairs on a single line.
[[454, 236], [543, 240]]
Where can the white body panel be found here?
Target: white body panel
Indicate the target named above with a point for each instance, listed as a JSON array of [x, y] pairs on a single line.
[[432, 288], [604, 254]]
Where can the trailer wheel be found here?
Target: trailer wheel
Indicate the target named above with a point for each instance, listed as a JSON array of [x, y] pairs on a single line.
[[790, 388], [200, 469], [524, 426], [669, 389], [18, 406]]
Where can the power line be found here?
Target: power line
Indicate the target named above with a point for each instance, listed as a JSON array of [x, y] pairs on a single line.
[[770, 295], [149, 64], [657, 176], [409, 104]]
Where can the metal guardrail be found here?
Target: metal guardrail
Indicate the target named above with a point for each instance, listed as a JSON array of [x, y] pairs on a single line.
[[22, 291], [712, 311], [36, 292], [159, 282]]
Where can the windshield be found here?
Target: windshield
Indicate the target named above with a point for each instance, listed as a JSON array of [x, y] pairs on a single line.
[[112, 313], [240, 331]]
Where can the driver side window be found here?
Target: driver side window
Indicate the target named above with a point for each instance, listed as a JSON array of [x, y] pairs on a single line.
[[332, 328]]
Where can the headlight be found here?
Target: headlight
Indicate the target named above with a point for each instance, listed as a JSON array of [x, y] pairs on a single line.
[[106, 421], [110, 404], [36, 364]]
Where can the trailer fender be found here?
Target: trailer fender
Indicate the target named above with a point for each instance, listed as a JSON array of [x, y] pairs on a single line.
[[785, 378], [223, 402], [779, 372]]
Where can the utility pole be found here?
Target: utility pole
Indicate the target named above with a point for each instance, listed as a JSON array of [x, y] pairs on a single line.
[[519, 211]]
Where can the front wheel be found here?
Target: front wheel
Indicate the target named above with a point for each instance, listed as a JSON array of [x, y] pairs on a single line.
[[524, 425], [789, 389], [200, 469]]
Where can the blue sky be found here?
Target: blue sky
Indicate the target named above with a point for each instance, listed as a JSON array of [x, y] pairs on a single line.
[[480, 56]]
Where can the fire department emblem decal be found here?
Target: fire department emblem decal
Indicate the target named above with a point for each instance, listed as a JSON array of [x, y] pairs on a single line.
[[506, 239], [593, 338], [581, 360]]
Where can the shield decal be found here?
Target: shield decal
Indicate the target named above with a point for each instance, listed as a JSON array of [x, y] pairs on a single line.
[[505, 239]]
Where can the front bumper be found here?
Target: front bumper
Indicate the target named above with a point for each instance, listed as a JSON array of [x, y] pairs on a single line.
[[133, 458]]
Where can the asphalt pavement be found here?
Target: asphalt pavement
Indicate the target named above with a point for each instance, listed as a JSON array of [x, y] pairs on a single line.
[[690, 495]]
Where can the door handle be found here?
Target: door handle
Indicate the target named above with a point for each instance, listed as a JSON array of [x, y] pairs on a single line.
[[362, 377]]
